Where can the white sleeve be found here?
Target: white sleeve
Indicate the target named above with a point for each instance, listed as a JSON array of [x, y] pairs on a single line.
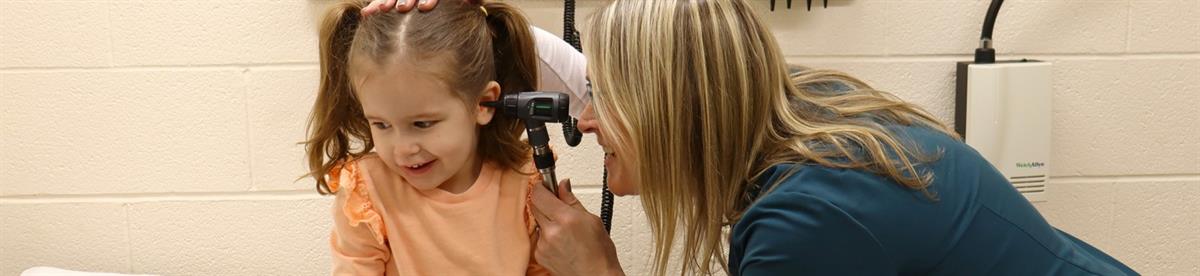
[[561, 69]]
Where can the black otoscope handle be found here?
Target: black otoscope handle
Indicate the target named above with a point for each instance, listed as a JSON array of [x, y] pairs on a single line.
[[543, 157]]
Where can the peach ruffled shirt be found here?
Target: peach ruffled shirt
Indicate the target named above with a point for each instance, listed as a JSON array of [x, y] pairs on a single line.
[[384, 226]]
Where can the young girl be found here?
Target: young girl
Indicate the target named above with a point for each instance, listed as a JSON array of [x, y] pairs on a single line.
[[427, 180]]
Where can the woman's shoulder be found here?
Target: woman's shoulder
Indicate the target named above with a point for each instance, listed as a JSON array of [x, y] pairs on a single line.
[[796, 179], [925, 135], [870, 197], [821, 192], [949, 159], [807, 186]]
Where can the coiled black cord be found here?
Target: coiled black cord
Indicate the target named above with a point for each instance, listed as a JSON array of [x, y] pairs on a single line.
[[570, 131]]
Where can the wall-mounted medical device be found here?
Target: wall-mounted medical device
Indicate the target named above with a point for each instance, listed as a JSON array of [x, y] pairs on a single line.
[[1003, 110]]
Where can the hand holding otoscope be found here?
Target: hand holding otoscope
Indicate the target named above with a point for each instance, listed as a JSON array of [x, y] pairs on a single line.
[[536, 109]]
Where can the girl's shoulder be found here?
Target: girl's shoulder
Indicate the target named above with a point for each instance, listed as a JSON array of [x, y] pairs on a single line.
[[516, 186], [351, 173], [517, 182], [350, 181]]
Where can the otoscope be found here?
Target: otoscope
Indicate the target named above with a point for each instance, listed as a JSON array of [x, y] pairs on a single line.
[[537, 108]]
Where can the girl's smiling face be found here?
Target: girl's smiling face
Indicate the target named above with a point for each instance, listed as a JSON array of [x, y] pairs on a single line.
[[421, 129]]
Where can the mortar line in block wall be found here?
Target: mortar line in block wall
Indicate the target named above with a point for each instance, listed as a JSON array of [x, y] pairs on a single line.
[[1128, 23], [108, 22], [162, 197], [160, 68], [307, 194], [246, 127], [882, 57], [1002, 56], [286, 195], [128, 239]]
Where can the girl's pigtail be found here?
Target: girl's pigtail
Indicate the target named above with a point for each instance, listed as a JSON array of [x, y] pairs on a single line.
[[336, 121]]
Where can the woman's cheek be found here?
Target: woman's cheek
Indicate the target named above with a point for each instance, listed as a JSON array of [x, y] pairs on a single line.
[[621, 181]]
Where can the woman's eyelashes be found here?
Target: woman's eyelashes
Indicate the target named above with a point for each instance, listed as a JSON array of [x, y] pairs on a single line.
[[589, 90]]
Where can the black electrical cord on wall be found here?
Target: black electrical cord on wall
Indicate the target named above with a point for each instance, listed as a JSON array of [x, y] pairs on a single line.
[[571, 35], [985, 53]]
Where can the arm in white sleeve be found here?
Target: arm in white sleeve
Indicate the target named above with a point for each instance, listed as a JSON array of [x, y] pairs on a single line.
[[561, 69]]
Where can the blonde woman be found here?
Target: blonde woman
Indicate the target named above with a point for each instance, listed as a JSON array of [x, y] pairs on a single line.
[[811, 173]]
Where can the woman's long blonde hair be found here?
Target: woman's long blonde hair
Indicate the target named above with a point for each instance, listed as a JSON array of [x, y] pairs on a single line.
[[494, 43], [698, 94]]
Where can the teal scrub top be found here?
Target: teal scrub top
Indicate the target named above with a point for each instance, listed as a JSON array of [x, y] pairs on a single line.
[[829, 221]]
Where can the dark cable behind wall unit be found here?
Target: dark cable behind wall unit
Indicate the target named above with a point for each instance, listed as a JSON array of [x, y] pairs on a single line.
[[825, 3], [571, 35]]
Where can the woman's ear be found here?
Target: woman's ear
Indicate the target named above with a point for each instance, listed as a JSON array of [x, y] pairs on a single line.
[[490, 93]]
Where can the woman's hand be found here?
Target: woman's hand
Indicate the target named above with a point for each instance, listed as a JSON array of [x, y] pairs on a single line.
[[571, 241], [401, 6]]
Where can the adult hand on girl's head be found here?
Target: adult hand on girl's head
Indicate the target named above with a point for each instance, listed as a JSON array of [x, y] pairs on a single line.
[[571, 241], [401, 6]]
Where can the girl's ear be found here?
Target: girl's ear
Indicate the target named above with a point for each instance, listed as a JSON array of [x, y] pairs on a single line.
[[490, 93]]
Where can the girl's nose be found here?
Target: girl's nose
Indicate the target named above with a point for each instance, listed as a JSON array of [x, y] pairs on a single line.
[[407, 148]]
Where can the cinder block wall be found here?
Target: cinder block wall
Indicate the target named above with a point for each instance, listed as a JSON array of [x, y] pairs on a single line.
[[159, 136]]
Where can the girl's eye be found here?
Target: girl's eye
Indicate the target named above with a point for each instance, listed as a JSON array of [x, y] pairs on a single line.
[[424, 124], [381, 125]]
